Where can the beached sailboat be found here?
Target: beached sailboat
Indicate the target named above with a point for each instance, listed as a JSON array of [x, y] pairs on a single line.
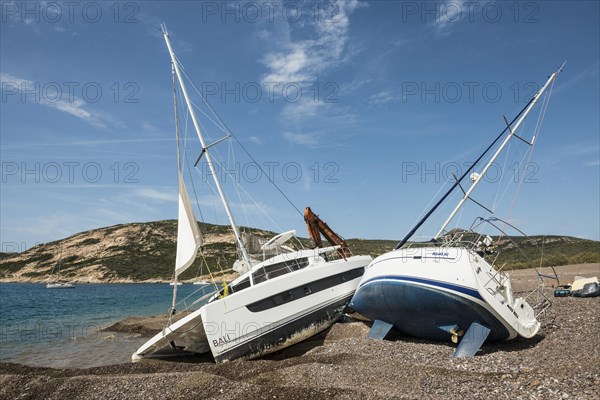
[[452, 287], [277, 301], [60, 283]]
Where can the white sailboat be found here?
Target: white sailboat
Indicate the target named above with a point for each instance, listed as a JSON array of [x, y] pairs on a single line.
[[58, 284], [451, 288], [277, 302]]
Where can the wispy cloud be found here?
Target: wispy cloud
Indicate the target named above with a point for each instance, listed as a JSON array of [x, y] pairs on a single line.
[[382, 98], [304, 109], [306, 139], [255, 139], [81, 143], [157, 195], [74, 106], [587, 73], [574, 152], [449, 14], [579, 149], [304, 60], [324, 47]]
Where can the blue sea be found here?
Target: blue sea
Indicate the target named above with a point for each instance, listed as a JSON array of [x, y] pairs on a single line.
[[61, 328]]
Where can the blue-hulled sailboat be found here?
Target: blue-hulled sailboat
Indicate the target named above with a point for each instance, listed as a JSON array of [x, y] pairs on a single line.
[[451, 289]]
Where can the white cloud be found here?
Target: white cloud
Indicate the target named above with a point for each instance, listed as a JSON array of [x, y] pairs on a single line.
[[255, 139], [74, 106], [304, 60], [381, 98], [449, 13], [293, 66], [306, 139], [147, 126], [303, 109], [158, 195]]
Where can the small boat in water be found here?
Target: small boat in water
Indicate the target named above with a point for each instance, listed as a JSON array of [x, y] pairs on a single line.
[[176, 283], [59, 284], [283, 295], [452, 288]]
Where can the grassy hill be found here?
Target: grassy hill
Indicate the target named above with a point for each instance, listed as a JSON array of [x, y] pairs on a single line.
[[146, 252], [128, 252]]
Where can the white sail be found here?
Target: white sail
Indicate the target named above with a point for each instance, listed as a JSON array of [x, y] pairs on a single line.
[[189, 238]]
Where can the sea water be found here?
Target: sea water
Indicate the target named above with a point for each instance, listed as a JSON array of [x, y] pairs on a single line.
[[62, 328]]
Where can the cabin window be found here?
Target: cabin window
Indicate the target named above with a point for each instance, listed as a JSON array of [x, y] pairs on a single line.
[[245, 283], [278, 269]]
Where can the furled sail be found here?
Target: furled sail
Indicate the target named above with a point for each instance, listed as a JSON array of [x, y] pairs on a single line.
[[189, 238]]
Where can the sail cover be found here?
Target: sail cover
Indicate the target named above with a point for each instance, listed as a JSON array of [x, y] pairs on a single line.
[[189, 238]]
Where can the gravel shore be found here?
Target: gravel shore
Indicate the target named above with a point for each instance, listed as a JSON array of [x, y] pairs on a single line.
[[562, 361]]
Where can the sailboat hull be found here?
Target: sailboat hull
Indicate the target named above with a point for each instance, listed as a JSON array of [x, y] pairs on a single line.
[[266, 317], [289, 333], [183, 337], [420, 309], [423, 291], [282, 311]]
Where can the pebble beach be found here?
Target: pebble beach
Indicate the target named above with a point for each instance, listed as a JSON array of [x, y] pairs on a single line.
[[561, 362]]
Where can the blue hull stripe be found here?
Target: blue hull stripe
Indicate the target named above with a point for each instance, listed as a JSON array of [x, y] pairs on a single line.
[[461, 289], [421, 309]]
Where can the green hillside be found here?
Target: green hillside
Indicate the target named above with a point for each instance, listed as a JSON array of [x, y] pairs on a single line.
[[146, 251]]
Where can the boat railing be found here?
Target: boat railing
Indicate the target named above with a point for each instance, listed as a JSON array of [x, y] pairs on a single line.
[[540, 300], [195, 300], [476, 241]]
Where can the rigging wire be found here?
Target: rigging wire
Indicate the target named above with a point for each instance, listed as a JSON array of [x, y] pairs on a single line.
[[231, 156], [229, 132], [537, 131], [509, 185], [187, 161], [497, 199], [443, 198]]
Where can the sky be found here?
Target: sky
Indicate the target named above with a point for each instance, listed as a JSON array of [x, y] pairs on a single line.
[[360, 110]]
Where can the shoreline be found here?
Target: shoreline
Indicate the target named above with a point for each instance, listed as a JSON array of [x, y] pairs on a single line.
[[116, 281], [583, 268], [560, 362]]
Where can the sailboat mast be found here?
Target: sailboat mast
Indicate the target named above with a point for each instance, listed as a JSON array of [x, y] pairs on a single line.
[[512, 131], [209, 160]]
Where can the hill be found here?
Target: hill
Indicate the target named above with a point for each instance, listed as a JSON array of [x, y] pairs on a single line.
[[145, 252], [121, 253]]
